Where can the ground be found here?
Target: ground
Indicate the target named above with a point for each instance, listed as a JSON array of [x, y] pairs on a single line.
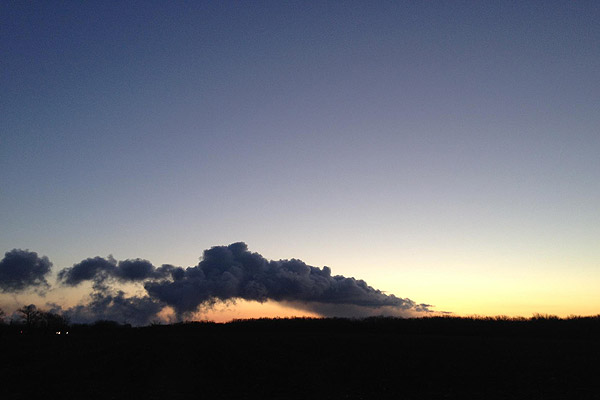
[[316, 359]]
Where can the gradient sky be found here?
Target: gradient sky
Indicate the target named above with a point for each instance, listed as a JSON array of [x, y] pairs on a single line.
[[448, 152]]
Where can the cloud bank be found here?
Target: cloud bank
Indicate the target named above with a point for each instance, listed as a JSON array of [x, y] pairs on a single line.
[[232, 272], [224, 274]]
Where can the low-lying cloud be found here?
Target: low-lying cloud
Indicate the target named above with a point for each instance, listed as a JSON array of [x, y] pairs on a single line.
[[232, 272], [224, 274], [99, 270], [113, 306]]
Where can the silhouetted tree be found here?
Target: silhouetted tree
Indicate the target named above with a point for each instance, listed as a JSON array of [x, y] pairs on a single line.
[[2, 316], [36, 319], [30, 315], [52, 321]]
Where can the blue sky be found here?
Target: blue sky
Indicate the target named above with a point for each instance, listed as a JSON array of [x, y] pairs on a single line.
[[442, 151]]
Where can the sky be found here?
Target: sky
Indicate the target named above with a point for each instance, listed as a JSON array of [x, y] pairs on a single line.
[[443, 152]]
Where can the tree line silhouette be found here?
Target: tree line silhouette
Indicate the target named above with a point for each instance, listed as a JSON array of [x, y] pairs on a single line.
[[32, 320], [331, 358]]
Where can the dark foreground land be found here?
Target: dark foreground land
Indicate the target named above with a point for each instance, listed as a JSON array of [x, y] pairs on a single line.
[[432, 358]]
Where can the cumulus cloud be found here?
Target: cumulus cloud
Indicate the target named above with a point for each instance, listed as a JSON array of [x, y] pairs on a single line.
[[99, 270], [113, 306], [22, 269], [95, 269], [225, 273], [232, 272]]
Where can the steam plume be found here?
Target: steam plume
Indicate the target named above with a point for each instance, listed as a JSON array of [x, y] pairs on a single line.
[[225, 273], [232, 272]]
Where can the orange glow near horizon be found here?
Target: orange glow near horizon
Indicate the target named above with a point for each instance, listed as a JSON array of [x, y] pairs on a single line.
[[243, 309]]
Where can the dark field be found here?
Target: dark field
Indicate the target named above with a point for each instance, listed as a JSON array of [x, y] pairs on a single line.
[[432, 358]]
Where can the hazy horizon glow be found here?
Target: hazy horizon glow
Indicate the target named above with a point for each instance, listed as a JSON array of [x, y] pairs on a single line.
[[443, 152]]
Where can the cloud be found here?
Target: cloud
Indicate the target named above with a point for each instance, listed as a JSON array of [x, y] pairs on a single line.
[[22, 269], [355, 311], [225, 273], [232, 272], [95, 269], [113, 306], [134, 270], [99, 270]]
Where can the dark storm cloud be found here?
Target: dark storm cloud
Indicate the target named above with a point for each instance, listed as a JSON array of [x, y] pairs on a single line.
[[232, 272], [23, 269]]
